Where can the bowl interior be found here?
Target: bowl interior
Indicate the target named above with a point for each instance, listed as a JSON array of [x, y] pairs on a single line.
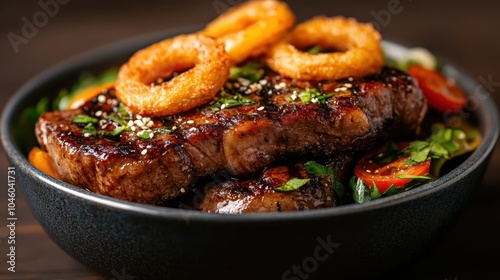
[[18, 137]]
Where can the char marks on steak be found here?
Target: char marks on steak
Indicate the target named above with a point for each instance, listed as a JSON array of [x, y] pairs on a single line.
[[241, 140]]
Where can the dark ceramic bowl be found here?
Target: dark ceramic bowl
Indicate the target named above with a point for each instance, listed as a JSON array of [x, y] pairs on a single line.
[[115, 237]]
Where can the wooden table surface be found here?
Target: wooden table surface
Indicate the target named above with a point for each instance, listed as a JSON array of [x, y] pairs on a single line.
[[466, 33]]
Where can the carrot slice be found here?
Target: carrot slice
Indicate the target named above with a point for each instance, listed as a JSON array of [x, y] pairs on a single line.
[[80, 98], [42, 161]]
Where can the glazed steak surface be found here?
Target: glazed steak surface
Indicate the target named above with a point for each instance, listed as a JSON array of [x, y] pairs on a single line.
[[259, 195], [155, 159]]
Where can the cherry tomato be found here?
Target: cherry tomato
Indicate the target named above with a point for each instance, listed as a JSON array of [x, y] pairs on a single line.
[[384, 175], [442, 95]]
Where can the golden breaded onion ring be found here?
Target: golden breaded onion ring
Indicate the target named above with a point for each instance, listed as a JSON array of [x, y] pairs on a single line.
[[248, 29], [359, 44], [208, 69]]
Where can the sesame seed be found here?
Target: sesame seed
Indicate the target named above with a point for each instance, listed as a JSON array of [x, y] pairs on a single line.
[[98, 113], [101, 98], [193, 129], [263, 82], [293, 96], [86, 134], [133, 128], [350, 79], [146, 119], [138, 123], [130, 123], [150, 124], [174, 127], [348, 85], [102, 122], [244, 82], [280, 85], [183, 190], [145, 151], [222, 106], [138, 117], [260, 108], [190, 122], [315, 100]]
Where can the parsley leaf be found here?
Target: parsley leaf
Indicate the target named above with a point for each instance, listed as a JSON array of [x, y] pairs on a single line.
[[89, 129], [361, 192], [312, 96], [84, 119], [314, 50], [251, 71], [229, 101], [317, 169], [292, 185]]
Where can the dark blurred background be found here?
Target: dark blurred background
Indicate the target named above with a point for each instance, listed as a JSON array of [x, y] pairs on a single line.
[[466, 33]]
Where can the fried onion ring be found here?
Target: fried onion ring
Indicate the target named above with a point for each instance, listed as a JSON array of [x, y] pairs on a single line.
[[249, 29], [359, 44], [208, 69]]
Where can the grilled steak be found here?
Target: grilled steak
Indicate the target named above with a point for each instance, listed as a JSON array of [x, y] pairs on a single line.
[[153, 160], [258, 193]]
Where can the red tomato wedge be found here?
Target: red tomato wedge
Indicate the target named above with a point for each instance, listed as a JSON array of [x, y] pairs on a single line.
[[384, 175], [441, 94]]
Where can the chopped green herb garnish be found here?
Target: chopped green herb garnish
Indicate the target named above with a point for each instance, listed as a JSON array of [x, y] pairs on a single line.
[[146, 134], [322, 170], [117, 118], [84, 119], [89, 130], [251, 71], [392, 190], [361, 192], [409, 176], [292, 185], [229, 101], [312, 95], [314, 50]]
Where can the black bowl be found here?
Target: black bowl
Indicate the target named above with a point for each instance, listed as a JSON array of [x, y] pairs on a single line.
[[115, 237]]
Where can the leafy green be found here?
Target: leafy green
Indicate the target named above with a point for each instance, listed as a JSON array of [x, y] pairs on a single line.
[[84, 119], [89, 129], [361, 192], [228, 101], [314, 50], [391, 153], [85, 81], [251, 71], [292, 185], [312, 95], [317, 169]]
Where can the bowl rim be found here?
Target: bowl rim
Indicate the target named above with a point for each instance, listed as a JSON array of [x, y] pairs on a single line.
[[488, 116]]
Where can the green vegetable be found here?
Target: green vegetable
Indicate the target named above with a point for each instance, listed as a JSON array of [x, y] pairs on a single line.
[[292, 185], [89, 129], [84, 119], [314, 50], [322, 170], [251, 71], [228, 101], [312, 95], [361, 192]]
